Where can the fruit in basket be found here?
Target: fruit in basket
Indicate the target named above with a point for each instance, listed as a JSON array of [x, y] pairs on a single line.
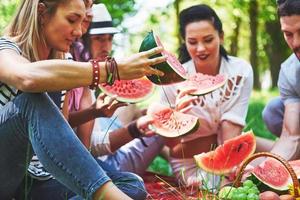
[[273, 176], [170, 123], [172, 68], [268, 195], [225, 157], [130, 91], [248, 191], [286, 197], [226, 192], [203, 83]]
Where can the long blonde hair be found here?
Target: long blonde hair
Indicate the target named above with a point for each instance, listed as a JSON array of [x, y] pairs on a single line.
[[25, 28]]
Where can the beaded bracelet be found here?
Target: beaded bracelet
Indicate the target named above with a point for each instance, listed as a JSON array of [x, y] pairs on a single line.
[[96, 73]]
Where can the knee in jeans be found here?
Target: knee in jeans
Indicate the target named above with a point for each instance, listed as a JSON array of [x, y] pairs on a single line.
[[137, 184]]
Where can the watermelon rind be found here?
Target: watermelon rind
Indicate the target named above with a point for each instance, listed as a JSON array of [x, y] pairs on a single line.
[[262, 187], [203, 91], [191, 122], [143, 84], [171, 75], [218, 161]]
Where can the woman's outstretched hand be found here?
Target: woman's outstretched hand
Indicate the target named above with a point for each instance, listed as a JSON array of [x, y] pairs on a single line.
[[139, 65], [105, 106], [144, 125], [184, 101]]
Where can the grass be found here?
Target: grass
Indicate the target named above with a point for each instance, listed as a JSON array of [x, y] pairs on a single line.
[[254, 121]]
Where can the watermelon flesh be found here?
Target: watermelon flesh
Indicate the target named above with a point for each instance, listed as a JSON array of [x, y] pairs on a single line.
[[273, 174], [225, 157], [130, 91], [170, 123], [172, 68], [204, 84]]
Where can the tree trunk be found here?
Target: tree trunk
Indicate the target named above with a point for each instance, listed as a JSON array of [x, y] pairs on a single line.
[[253, 14], [235, 36], [177, 8], [276, 49]]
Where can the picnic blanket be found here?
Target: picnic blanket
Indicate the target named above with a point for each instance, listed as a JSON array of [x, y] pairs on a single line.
[[160, 187]]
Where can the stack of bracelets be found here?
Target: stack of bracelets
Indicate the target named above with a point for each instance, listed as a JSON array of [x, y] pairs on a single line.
[[111, 68]]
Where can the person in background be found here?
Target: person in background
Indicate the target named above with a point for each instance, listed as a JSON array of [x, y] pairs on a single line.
[[221, 113], [282, 114], [32, 62], [126, 154]]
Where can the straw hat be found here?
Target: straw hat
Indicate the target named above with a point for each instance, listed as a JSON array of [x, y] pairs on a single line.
[[102, 21]]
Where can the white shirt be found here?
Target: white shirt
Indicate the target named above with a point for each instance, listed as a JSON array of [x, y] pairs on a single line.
[[229, 102]]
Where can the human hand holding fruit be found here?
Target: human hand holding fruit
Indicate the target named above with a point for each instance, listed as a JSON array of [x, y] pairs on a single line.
[[105, 106], [184, 100]]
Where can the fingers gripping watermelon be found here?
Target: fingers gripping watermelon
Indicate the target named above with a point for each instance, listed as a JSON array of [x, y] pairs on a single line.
[[172, 68], [203, 83], [170, 123], [130, 91], [232, 153]]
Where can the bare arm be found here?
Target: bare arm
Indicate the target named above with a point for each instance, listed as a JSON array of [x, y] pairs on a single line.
[[54, 75], [291, 119], [229, 130], [118, 138], [84, 129]]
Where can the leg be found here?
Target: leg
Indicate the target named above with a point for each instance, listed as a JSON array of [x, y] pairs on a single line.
[[273, 115], [129, 183], [44, 189], [134, 156], [33, 118]]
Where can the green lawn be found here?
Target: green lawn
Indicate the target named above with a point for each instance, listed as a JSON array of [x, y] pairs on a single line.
[[254, 121]]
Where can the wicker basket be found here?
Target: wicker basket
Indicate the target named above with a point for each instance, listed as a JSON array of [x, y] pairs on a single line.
[[237, 182]]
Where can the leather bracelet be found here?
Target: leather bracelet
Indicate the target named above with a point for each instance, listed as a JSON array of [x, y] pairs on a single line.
[[112, 72], [96, 74], [135, 132]]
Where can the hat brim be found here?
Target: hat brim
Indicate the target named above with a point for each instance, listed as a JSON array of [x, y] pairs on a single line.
[[107, 30]]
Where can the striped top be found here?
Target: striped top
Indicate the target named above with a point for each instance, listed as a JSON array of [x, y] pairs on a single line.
[[7, 93]]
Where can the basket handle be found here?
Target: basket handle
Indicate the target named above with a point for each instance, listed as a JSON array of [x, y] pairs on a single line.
[[237, 181]]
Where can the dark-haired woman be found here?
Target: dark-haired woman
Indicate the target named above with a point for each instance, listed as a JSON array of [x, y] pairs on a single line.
[[221, 113]]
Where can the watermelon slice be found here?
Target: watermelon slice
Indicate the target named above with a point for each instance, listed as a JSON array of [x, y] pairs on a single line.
[[232, 153], [130, 91], [172, 68], [273, 174], [170, 123], [204, 83]]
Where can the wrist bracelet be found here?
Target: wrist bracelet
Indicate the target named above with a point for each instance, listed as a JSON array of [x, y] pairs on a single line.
[[96, 74], [112, 72], [135, 132]]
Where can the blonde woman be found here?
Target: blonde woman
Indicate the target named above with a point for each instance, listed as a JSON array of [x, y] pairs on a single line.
[[31, 62]]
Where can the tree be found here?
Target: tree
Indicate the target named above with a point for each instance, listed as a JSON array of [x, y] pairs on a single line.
[[253, 15]]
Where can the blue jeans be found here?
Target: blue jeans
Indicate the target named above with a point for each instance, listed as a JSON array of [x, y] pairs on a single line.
[[273, 115], [32, 122], [127, 182], [134, 156]]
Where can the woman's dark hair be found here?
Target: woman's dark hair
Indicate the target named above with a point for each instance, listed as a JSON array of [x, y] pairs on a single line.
[[288, 7], [194, 14]]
